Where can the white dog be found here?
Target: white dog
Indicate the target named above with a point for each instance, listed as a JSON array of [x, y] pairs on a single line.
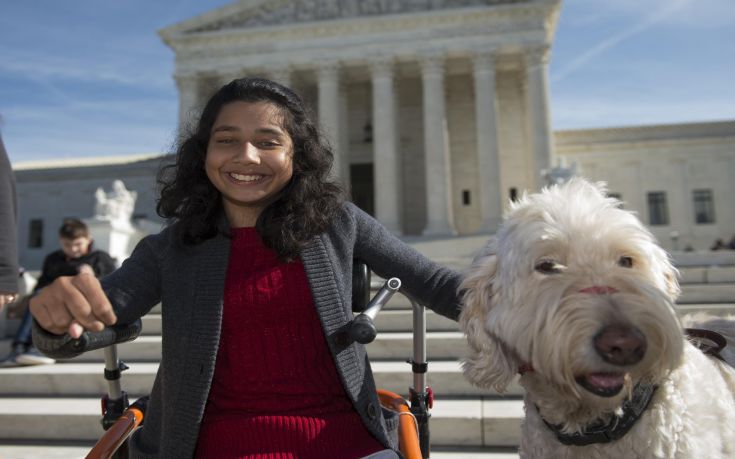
[[575, 295]]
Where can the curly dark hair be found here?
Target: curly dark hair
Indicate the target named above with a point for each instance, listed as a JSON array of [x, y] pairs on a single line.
[[304, 208]]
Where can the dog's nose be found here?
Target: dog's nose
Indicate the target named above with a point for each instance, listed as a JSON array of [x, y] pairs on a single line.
[[620, 344]]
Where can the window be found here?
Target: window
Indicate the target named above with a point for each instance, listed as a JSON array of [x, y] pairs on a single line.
[[704, 206], [658, 212], [466, 197], [35, 233]]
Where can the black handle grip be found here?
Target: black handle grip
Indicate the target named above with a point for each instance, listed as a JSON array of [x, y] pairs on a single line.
[[114, 334], [363, 329]]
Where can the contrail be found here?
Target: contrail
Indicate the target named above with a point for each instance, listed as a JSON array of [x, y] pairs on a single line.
[[623, 35]]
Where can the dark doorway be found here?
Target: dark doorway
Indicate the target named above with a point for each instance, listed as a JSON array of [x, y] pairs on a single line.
[[361, 180]]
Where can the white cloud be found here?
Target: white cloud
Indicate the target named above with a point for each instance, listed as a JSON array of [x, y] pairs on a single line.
[[46, 67], [652, 18], [690, 14]]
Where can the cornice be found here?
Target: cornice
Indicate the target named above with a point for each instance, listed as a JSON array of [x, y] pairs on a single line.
[[651, 147], [89, 168], [696, 132], [268, 13], [494, 20]]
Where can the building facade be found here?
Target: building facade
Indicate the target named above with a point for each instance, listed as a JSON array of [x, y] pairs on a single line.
[[436, 109], [680, 178], [50, 191]]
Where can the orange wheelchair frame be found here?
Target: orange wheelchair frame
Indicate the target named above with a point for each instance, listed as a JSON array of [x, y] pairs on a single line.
[[120, 418]]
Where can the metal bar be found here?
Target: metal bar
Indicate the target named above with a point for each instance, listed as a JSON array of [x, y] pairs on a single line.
[[419, 345], [112, 364]]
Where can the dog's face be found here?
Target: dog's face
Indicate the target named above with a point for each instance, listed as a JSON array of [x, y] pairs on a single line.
[[575, 287]]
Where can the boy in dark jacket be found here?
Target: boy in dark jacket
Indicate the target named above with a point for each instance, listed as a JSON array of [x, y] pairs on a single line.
[[76, 255]]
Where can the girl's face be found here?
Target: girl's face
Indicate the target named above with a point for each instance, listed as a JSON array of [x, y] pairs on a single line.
[[249, 158]]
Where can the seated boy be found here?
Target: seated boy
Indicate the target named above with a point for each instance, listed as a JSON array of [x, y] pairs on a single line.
[[76, 255]]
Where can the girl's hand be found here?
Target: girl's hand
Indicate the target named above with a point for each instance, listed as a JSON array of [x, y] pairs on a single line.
[[73, 304]]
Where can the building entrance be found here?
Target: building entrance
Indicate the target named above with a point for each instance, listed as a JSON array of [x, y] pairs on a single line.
[[363, 194]]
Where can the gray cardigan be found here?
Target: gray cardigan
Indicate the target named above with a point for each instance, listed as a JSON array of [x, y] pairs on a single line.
[[190, 283]]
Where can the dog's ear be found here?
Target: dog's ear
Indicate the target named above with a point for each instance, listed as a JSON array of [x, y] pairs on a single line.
[[672, 284], [489, 363], [670, 273]]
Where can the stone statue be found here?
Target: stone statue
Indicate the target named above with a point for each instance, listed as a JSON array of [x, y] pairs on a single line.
[[116, 206], [559, 174]]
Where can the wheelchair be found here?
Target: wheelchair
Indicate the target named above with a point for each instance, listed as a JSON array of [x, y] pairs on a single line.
[[120, 418]]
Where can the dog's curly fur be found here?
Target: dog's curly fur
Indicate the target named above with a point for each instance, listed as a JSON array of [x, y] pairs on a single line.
[[527, 303]]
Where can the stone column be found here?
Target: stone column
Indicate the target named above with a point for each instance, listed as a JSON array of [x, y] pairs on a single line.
[[227, 77], [385, 156], [537, 94], [438, 174], [188, 86], [281, 74], [488, 151], [328, 82]]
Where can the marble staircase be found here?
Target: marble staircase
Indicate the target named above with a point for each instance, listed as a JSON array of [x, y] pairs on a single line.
[[54, 411]]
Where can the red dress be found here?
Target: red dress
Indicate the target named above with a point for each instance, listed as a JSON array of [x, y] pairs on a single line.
[[276, 393]]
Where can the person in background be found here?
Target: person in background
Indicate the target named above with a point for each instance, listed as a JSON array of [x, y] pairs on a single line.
[[718, 245], [75, 256], [254, 277], [8, 232]]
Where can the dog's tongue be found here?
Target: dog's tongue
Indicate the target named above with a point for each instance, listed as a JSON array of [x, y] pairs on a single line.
[[606, 380]]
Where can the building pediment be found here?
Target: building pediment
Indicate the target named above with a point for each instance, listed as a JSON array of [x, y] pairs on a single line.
[[259, 13]]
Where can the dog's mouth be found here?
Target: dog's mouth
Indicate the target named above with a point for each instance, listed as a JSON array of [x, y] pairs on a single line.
[[602, 384]]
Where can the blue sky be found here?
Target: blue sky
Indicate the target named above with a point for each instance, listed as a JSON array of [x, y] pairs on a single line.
[[92, 77]]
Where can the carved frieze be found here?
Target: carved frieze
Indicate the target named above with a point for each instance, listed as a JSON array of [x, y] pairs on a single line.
[[297, 11]]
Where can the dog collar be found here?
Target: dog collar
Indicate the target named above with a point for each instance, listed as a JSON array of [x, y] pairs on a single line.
[[708, 341], [616, 428]]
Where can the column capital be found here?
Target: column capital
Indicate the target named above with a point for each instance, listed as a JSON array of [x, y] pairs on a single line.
[[280, 73], [226, 77], [381, 66], [187, 79], [327, 69], [537, 56], [432, 63], [483, 60]]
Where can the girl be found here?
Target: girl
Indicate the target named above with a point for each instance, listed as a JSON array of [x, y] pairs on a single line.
[[254, 276]]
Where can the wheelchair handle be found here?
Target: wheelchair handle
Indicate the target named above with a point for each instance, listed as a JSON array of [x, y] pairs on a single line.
[[115, 334], [362, 328]]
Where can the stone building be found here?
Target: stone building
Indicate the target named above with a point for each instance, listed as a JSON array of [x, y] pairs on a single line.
[[437, 109], [679, 178], [50, 191], [438, 112]]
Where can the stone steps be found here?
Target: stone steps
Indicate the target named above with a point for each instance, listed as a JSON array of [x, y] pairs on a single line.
[[396, 345], [476, 421], [52, 403], [397, 320], [691, 293], [86, 379], [73, 450]]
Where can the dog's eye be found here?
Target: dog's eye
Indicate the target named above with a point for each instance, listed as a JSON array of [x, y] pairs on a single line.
[[625, 261], [547, 267]]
